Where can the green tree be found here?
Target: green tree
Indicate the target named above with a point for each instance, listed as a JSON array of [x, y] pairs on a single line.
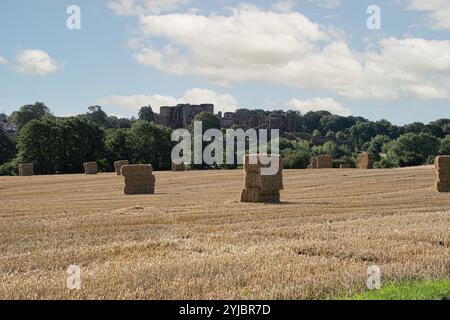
[[146, 114], [60, 146], [296, 154], [151, 144], [98, 116], [83, 141], [28, 113], [118, 145], [39, 143], [208, 120], [412, 149], [375, 145], [7, 147], [445, 146]]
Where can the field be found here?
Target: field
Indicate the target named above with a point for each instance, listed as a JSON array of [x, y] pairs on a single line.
[[195, 240]]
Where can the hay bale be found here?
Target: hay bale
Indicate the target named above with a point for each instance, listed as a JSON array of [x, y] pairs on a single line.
[[270, 185], [442, 174], [26, 169], [90, 167], [322, 162], [138, 179], [178, 167], [345, 166], [119, 164], [365, 160], [251, 180], [137, 170], [259, 187]]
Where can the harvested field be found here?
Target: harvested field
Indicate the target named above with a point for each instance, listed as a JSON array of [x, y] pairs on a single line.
[[193, 239]]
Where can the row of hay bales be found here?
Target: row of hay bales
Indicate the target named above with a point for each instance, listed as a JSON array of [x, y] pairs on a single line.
[[139, 179], [365, 161]]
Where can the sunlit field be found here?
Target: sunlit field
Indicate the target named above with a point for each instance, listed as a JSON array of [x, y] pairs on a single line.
[[193, 239]]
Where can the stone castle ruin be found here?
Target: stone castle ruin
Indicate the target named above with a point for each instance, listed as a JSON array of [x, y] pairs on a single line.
[[182, 115]]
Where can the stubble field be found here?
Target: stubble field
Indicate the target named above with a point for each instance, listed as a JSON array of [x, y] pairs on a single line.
[[193, 239]]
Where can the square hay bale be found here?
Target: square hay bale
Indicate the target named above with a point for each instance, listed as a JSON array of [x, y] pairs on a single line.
[[259, 187], [270, 185], [250, 195], [26, 169], [251, 180], [138, 179], [178, 167], [365, 160], [442, 162], [322, 162], [137, 170], [442, 187], [442, 174], [269, 198], [90, 167], [119, 164]]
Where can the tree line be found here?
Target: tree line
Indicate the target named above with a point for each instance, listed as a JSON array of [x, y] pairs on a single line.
[[59, 145]]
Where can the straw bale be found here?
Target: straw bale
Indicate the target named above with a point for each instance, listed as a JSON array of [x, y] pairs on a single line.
[[137, 170], [26, 169], [119, 164], [90, 167]]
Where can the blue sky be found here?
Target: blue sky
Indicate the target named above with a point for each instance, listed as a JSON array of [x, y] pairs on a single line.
[[303, 55]]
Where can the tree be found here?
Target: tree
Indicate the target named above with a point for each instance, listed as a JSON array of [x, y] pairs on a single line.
[[60, 146], [118, 145], [208, 120], [151, 144], [412, 149], [39, 143], [296, 154], [28, 113], [83, 141], [98, 116], [146, 114], [375, 145], [445, 146], [7, 147]]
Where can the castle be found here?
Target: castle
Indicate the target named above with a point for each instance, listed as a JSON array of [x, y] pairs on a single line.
[[182, 115]]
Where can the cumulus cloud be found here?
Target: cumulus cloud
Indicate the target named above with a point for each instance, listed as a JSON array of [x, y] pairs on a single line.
[[327, 4], [137, 7], [438, 12], [222, 102], [252, 44], [35, 62], [319, 104], [3, 60]]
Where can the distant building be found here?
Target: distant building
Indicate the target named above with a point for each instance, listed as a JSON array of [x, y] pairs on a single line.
[[7, 126], [181, 116]]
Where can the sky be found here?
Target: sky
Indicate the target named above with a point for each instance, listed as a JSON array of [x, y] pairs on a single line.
[[377, 59]]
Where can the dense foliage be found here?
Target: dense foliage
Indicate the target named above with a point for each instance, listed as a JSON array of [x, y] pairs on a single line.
[[61, 145]]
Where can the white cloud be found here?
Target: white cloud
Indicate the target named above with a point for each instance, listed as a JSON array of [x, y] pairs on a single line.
[[222, 102], [35, 62], [438, 12], [3, 60], [319, 104], [251, 44], [327, 4], [138, 7], [284, 6]]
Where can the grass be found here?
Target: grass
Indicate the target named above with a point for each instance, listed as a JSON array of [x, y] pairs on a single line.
[[412, 290]]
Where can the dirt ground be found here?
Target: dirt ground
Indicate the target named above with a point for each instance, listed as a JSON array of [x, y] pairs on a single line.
[[193, 239]]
